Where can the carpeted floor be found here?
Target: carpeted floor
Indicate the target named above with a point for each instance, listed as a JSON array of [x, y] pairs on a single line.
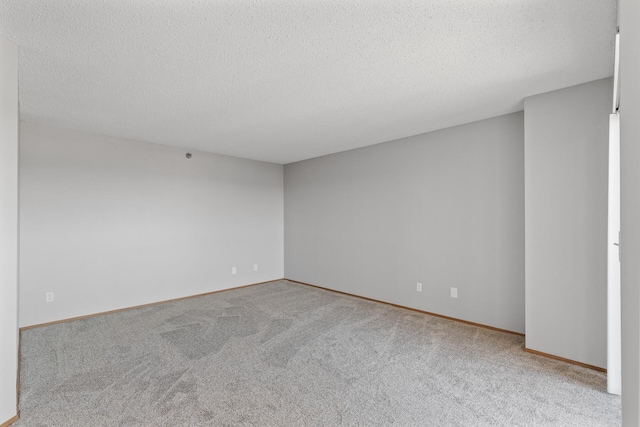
[[284, 354]]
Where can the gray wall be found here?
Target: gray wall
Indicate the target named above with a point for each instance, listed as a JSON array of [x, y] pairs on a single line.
[[8, 229], [566, 151], [108, 223], [630, 207], [445, 209]]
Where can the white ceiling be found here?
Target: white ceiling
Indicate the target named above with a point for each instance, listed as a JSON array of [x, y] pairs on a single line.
[[282, 81]]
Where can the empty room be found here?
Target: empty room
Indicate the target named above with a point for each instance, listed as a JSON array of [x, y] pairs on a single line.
[[319, 213]]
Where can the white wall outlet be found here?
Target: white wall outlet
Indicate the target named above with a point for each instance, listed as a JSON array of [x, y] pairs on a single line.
[[454, 292], [48, 297], [255, 267], [419, 287], [233, 270]]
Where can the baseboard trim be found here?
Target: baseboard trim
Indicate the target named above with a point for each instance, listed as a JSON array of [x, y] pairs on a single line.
[[480, 325], [10, 421], [87, 316], [411, 309], [562, 359]]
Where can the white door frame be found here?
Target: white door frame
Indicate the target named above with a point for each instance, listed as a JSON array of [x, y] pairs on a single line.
[[614, 325]]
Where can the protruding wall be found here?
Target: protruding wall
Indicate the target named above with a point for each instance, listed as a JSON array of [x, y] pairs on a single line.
[[566, 163]]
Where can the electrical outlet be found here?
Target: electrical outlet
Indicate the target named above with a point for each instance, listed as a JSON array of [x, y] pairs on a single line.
[[454, 292], [419, 287], [255, 267], [233, 270], [49, 297]]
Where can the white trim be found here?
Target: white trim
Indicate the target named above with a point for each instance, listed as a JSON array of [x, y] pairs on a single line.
[[614, 326]]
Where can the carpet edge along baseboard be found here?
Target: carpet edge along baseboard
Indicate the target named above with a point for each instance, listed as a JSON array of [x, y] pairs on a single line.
[[442, 316], [117, 310], [10, 421], [480, 325], [563, 359]]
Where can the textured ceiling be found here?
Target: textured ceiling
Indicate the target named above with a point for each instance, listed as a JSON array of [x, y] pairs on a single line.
[[282, 81]]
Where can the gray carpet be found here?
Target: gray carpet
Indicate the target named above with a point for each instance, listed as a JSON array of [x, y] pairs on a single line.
[[284, 354]]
